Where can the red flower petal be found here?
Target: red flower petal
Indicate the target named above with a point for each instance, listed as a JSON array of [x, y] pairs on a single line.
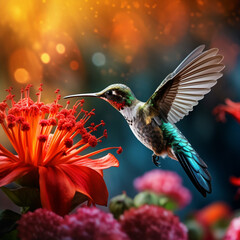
[[56, 189], [235, 181], [213, 212], [100, 163], [88, 182], [10, 171], [231, 108]]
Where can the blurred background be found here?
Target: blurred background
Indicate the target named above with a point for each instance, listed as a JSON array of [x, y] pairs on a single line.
[[84, 46]]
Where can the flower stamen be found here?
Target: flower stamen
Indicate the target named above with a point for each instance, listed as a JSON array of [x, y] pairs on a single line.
[[43, 135]]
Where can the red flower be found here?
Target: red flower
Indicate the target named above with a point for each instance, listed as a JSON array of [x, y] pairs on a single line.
[[212, 213], [151, 222], [41, 224], [233, 231], [231, 108], [91, 223], [166, 183], [236, 181], [42, 135]]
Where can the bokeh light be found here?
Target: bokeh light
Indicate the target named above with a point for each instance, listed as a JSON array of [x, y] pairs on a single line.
[[98, 59], [128, 59], [128, 35], [21, 75], [173, 21], [60, 48], [25, 66], [45, 58], [74, 65]]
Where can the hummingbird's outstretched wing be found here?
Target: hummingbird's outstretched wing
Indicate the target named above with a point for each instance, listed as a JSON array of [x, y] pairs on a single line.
[[186, 85]]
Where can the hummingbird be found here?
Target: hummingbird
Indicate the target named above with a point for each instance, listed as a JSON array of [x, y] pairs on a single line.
[[153, 121]]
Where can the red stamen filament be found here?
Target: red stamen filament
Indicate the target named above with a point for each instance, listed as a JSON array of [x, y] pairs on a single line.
[[36, 137]]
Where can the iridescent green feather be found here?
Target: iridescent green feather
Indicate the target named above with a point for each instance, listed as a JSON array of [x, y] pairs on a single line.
[[188, 158]]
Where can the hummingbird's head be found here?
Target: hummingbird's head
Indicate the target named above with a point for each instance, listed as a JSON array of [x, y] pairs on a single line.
[[118, 95]]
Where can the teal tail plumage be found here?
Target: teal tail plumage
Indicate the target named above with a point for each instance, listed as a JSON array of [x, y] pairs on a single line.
[[193, 165]]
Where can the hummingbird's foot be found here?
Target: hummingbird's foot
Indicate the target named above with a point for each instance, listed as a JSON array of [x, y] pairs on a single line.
[[156, 160]]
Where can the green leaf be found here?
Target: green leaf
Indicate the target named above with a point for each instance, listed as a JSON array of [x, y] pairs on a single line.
[[168, 203], [13, 235], [24, 196], [195, 230], [8, 221], [220, 226], [145, 198]]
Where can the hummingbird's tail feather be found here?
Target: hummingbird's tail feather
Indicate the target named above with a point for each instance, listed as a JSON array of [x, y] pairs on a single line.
[[193, 165], [199, 175]]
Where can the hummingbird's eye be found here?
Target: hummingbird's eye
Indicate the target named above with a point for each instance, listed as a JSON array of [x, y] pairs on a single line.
[[109, 92], [113, 96]]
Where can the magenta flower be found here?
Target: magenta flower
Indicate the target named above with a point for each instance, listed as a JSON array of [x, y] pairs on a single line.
[[164, 183], [151, 222], [41, 224], [91, 223], [233, 231], [86, 224]]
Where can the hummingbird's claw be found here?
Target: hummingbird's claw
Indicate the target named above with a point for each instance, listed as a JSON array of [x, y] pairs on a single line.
[[156, 160]]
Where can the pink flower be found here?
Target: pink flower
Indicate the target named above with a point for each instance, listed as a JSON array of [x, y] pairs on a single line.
[[164, 183], [86, 224], [41, 224], [91, 223], [151, 222], [233, 231], [231, 108]]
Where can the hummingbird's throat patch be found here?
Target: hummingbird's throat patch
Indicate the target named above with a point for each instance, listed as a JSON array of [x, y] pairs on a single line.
[[118, 105]]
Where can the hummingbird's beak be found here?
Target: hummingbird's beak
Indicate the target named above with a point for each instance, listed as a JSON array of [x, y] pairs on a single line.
[[98, 94]]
